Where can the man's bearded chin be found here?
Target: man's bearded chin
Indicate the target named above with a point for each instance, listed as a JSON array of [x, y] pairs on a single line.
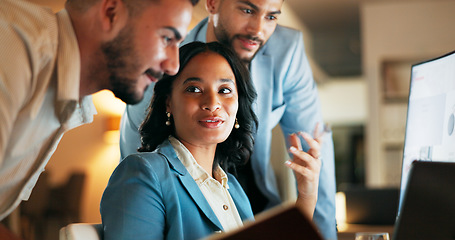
[[259, 41], [229, 42], [247, 61], [126, 92]]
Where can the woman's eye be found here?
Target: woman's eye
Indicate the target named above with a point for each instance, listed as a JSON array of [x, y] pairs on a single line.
[[193, 89], [225, 90]]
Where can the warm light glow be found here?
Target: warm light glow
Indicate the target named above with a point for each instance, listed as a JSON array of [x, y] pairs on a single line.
[[102, 165], [106, 102], [111, 136], [340, 202]]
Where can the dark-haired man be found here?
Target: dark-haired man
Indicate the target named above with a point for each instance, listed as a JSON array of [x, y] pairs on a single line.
[[287, 95], [51, 63]]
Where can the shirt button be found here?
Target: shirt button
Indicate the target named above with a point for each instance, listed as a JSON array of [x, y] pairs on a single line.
[[225, 207]]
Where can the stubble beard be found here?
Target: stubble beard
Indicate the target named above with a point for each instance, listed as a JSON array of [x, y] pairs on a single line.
[[223, 37], [122, 66]]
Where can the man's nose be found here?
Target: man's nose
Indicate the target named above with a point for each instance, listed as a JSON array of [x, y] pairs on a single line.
[[171, 63], [255, 26]]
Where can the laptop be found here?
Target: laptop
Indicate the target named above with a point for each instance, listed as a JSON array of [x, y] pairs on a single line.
[[428, 207], [427, 191]]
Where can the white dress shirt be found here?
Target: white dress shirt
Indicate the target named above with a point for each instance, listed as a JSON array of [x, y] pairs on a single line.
[[39, 94], [215, 190]]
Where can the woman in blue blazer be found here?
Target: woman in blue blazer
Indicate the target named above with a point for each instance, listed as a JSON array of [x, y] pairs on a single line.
[[199, 125]]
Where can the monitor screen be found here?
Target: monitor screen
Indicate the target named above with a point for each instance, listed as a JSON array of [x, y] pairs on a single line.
[[430, 133]]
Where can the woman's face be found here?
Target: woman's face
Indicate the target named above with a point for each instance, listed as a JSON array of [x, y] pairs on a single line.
[[204, 100]]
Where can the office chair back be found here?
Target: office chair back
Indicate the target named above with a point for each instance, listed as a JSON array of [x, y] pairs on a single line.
[[82, 231]]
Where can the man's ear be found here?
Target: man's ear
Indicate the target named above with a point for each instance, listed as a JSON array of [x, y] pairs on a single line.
[[212, 6], [113, 15]]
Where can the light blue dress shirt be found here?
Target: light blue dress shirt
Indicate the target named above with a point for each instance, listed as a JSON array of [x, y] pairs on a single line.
[[287, 95]]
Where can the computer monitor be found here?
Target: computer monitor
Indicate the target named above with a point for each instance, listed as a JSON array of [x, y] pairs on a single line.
[[430, 129]]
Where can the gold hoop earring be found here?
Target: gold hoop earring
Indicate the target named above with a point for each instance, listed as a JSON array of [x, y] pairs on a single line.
[[236, 125], [168, 121]]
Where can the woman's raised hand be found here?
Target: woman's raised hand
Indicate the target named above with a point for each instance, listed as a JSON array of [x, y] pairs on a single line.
[[306, 167]]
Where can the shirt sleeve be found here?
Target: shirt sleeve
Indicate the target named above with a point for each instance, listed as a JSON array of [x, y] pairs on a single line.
[[15, 81], [303, 112], [132, 205], [130, 139]]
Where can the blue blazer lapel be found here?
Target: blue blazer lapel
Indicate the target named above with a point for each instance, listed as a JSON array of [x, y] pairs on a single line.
[[262, 69], [195, 193], [244, 210], [188, 183]]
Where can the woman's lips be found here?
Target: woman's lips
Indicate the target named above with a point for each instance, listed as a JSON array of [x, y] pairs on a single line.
[[213, 122]]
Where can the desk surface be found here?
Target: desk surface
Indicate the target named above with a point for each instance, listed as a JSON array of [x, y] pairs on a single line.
[[347, 231]]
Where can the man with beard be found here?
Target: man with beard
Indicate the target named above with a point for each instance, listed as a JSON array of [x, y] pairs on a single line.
[[51, 63], [287, 95]]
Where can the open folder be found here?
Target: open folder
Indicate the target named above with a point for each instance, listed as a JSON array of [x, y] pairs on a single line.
[[282, 222]]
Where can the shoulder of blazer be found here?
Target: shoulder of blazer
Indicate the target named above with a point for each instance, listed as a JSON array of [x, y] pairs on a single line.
[[164, 157], [283, 39], [286, 34]]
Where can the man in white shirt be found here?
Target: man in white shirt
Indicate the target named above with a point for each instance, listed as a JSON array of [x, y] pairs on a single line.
[[51, 63]]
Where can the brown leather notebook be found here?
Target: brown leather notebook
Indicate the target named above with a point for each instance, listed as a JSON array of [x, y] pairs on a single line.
[[282, 222]]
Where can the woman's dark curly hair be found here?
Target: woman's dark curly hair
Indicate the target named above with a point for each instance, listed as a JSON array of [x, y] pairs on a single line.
[[237, 148]]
